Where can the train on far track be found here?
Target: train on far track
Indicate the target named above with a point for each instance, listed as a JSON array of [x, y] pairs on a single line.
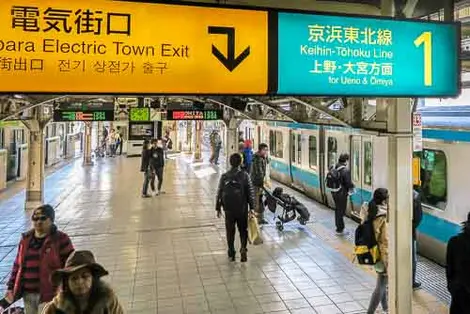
[[301, 154]]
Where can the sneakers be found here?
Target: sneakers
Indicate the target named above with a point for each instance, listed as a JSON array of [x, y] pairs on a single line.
[[145, 196]]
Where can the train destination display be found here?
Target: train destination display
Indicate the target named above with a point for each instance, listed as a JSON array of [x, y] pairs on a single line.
[[341, 55], [194, 114], [83, 115]]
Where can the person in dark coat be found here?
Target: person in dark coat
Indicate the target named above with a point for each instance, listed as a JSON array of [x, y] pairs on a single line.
[[157, 162], [458, 270], [238, 184], [417, 218], [341, 197], [144, 167]]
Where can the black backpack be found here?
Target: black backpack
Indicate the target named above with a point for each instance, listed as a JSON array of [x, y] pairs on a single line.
[[333, 179], [233, 192], [169, 145], [366, 248]]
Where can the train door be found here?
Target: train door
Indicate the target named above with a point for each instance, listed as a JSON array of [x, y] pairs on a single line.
[[295, 157], [330, 159], [355, 164]]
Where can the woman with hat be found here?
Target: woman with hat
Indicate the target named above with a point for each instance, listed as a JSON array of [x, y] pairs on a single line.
[[41, 251], [83, 291], [458, 270]]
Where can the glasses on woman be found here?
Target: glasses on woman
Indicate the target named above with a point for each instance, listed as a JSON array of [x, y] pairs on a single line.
[[40, 218]]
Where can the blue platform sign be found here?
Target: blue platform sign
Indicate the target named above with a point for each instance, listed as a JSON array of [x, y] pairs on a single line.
[[359, 56]]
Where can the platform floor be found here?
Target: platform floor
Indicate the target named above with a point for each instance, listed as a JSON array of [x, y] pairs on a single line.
[[167, 254]]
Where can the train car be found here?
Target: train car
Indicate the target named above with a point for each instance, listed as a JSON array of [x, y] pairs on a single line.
[[301, 154]]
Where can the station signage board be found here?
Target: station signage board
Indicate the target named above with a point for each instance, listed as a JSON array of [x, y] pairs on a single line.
[[84, 46], [121, 47], [360, 56], [194, 114], [82, 115]]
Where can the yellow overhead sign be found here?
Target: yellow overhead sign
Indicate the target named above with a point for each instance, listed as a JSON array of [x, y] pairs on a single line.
[[77, 46]]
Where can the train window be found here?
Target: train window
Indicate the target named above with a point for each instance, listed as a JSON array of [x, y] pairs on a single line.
[[279, 145], [368, 163], [332, 151], [312, 152], [299, 149], [434, 178], [355, 164]]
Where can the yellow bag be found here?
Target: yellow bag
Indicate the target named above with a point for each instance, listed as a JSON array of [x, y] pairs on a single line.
[[254, 236]]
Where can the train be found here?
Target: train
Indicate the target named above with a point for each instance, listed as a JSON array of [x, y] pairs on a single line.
[[301, 155]]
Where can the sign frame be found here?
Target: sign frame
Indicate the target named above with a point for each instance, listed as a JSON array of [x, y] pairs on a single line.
[[273, 52]]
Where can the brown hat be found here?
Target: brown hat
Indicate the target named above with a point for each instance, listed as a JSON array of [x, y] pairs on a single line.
[[76, 261]]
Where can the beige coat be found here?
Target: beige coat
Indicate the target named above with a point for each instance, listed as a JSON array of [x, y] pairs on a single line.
[[381, 230], [107, 304]]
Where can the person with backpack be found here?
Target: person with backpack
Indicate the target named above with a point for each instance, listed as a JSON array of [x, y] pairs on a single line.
[[156, 164], [234, 195], [458, 270], [374, 216], [42, 250], [338, 181], [417, 217]]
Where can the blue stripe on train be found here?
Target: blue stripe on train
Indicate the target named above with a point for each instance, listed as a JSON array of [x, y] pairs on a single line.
[[432, 226]]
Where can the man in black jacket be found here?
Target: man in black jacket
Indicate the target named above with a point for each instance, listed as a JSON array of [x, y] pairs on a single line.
[[157, 162], [341, 197], [145, 167], [458, 270], [235, 194], [417, 217]]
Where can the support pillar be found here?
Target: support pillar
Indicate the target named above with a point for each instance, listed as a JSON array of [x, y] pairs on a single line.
[[198, 145], [189, 136], [35, 175], [400, 185], [231, 139], [87, 161]]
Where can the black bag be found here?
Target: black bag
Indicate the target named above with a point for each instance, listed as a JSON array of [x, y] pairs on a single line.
[[366, 248], [169, 145], [333, 179], [232, 192], [302, 211]]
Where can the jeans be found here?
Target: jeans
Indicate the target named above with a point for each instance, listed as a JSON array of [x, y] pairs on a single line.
[[216, 155], [147, 178], [259, 208], [32, 303], [341, 202], [159, 174], [241, 221], [380, 294], [415, 259]]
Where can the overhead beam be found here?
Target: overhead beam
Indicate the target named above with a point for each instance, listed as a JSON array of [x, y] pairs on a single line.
[[279, 111], [322, 109]]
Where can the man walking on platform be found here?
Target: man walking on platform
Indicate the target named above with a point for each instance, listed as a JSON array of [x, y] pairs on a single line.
[[234, 195], [338, 181], [157, 162], [258, 174]]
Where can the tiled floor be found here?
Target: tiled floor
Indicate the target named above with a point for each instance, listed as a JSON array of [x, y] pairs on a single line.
[[167, 254]]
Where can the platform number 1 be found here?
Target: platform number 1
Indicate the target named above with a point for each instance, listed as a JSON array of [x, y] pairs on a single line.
[[426, 40]]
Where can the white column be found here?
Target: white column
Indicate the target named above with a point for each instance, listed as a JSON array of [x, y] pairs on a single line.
[[87, 154], [35, 175], [198, 148], [400, 216], [231, 139]]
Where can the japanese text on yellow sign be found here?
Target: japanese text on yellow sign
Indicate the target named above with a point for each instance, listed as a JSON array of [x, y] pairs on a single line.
[[78, 46]]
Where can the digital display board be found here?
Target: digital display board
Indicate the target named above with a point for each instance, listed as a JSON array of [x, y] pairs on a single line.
[[139, 114], [360, 56], [194, 115], [70, 115]]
